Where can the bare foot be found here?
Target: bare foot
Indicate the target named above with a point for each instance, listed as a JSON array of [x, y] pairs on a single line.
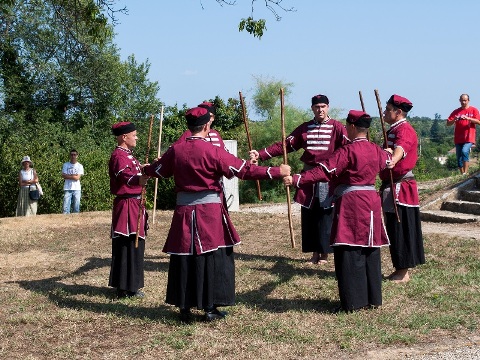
[[400, 276], [315, 258], [323, 259]]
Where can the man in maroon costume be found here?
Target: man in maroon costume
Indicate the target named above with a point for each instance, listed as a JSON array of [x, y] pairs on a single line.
[[357, 229], [213, 136], [319, 138], [406, 248], [201, 238], [126, 181]]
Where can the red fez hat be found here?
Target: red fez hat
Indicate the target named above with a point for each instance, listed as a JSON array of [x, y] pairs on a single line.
[[123, 127], [400, 102], [319, 99], [359, 118], [209, 106], [197, 116]]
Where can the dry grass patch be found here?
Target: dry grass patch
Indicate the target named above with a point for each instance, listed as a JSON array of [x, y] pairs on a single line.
[[56, 305]]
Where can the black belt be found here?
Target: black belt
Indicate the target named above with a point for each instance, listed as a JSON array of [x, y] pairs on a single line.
[[133, 196]]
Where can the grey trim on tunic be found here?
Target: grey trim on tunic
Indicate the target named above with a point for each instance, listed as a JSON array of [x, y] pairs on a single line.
[[343, 189], [197, 198]]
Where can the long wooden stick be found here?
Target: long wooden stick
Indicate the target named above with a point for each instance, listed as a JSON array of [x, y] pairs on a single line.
[[158, 155], [379, 104], [245, 121], [142, 199], [285, 161], [363, 109]]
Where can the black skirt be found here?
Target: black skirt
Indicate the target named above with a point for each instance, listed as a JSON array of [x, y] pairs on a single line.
[[126, 270], [202, 281], [316, 228], [406, 242], [359, 275]]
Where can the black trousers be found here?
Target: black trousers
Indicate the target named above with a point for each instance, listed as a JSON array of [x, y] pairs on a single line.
[[203, 281], [406, 242], [126, 269], [359, 275], [316, 228]]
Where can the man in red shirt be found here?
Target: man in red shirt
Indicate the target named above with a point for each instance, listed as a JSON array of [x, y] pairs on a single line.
[[465, 118]]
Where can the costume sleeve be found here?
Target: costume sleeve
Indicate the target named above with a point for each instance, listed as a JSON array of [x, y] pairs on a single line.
[[124, 173], [164, 166], [383, 157], [294, 142], [325, 171], [341, 136], [229, 166], [405, 139]]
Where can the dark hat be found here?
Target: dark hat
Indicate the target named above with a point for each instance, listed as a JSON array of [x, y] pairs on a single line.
[[209, 106], [400, 102], [197, 116], [319, 99], [359, 118], [123, 127]]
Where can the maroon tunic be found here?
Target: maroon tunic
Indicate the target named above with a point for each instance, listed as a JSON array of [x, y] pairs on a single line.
[[318, 140], [197, 166], [403, 134], [358, 213], [124, 171], [213, 137]]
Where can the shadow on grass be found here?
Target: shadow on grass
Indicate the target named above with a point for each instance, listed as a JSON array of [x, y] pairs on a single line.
[[285, 269], [100, 299]]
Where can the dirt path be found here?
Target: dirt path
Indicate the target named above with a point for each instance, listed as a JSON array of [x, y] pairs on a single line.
[[469, 230]]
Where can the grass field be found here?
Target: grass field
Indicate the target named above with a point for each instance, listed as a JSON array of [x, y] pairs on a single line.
[[56, 305]]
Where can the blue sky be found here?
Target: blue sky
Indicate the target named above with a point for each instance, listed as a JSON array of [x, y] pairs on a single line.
[[427, 51]]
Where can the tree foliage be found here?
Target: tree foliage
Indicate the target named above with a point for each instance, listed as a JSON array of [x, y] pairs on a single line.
[[62, 85]]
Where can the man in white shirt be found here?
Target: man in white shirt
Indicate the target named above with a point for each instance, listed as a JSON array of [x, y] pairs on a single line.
[[71, 172]]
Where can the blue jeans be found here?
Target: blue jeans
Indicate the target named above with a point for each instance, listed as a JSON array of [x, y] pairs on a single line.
[[68, 195], [463, 153]]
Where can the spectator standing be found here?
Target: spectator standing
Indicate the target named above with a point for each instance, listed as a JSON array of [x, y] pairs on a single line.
[[27, 177], [72, 190], [465, 118]]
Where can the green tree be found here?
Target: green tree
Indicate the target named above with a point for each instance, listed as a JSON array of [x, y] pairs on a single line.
[[436, 133], [266, 95]]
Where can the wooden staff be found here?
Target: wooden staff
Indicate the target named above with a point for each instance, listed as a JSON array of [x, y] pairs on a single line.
[[158, 155], [142, 200], [245, 121], [363, 109], [361, 101], [392, 187], [285, 161]]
